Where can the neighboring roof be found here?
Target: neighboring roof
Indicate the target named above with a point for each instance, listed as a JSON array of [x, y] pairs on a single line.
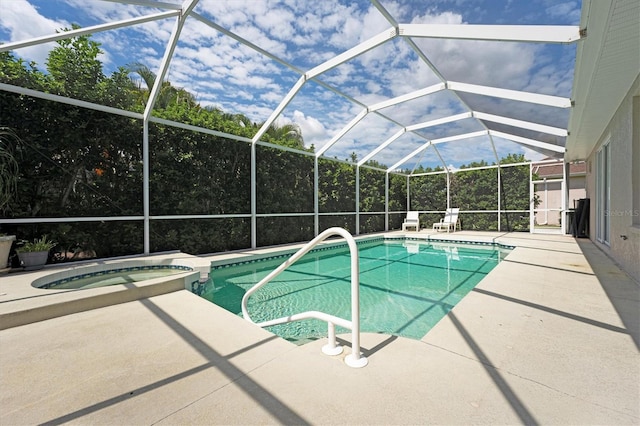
[[488, 116], [607, 64], [555, 170]]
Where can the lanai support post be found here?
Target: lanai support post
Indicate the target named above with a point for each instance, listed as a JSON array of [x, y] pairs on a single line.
[[566, 184], [316, 204], [145, 185], [386, 201], [499, 198], [357, 200], [532, 205], [448, 188], [154, 91], [254, 227], [408, 194]]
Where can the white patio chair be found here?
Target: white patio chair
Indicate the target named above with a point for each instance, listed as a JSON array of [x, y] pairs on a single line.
[[449, 221], [412, 221]]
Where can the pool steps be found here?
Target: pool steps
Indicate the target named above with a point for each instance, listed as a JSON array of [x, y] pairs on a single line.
[[355, 358]]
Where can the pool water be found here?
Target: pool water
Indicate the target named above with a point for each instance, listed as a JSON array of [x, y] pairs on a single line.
[[406, 287]]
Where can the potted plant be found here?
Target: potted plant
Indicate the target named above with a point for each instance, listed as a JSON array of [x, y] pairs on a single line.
[[6, 241], [8, 186], [33, 255]]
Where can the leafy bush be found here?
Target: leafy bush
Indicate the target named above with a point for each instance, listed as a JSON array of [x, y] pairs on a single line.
[[39, 244]]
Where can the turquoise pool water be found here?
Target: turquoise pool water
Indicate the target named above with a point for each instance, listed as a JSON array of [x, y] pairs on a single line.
[[406, 287]]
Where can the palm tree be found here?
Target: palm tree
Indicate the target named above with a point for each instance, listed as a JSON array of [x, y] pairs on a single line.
[[288, 134], [240, 119], [168, 94]]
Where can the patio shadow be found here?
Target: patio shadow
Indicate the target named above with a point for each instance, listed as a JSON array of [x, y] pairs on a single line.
[[623, 292], [259, 394]]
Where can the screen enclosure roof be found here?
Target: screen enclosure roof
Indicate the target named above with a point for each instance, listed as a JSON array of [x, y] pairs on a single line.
[[396, 84]]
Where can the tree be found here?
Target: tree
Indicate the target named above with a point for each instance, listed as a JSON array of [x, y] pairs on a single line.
[[397, 200], [514, 193], [289, 135], [372, 197], [167, 95], [9, 142], [74, 161], [75, 69], [429, 192]]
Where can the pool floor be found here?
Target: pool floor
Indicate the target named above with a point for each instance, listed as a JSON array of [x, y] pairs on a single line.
[[406, 287]]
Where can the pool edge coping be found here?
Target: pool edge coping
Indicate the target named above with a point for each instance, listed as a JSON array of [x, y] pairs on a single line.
[[247, 258]]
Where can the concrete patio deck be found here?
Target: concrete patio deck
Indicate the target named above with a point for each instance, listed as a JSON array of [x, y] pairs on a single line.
[[550, 336]]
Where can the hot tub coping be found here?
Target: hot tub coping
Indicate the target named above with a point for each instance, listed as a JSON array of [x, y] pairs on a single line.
[[85, 271]]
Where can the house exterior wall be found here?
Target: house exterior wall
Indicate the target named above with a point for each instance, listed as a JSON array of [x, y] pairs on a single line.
[[624, 215], [576, 190]]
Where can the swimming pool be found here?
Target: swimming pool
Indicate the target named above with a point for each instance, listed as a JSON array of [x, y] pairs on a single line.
[[406, 285]]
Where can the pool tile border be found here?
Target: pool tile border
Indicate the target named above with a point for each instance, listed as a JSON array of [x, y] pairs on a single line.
[[216, 265]]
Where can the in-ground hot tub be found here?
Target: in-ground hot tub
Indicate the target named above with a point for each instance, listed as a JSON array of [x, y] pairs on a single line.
[[122, 272], [104, 283]]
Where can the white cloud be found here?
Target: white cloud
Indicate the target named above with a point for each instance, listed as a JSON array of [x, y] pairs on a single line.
[[107, 11], [532, 155], [272, 97], [23, 21], [466, 151], [313, 131], [569, 11], [261, 39]]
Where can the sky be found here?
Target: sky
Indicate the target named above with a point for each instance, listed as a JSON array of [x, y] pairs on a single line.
[[222, 72]]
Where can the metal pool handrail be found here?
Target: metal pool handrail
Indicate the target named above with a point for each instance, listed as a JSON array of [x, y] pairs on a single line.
[[331, 348]]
